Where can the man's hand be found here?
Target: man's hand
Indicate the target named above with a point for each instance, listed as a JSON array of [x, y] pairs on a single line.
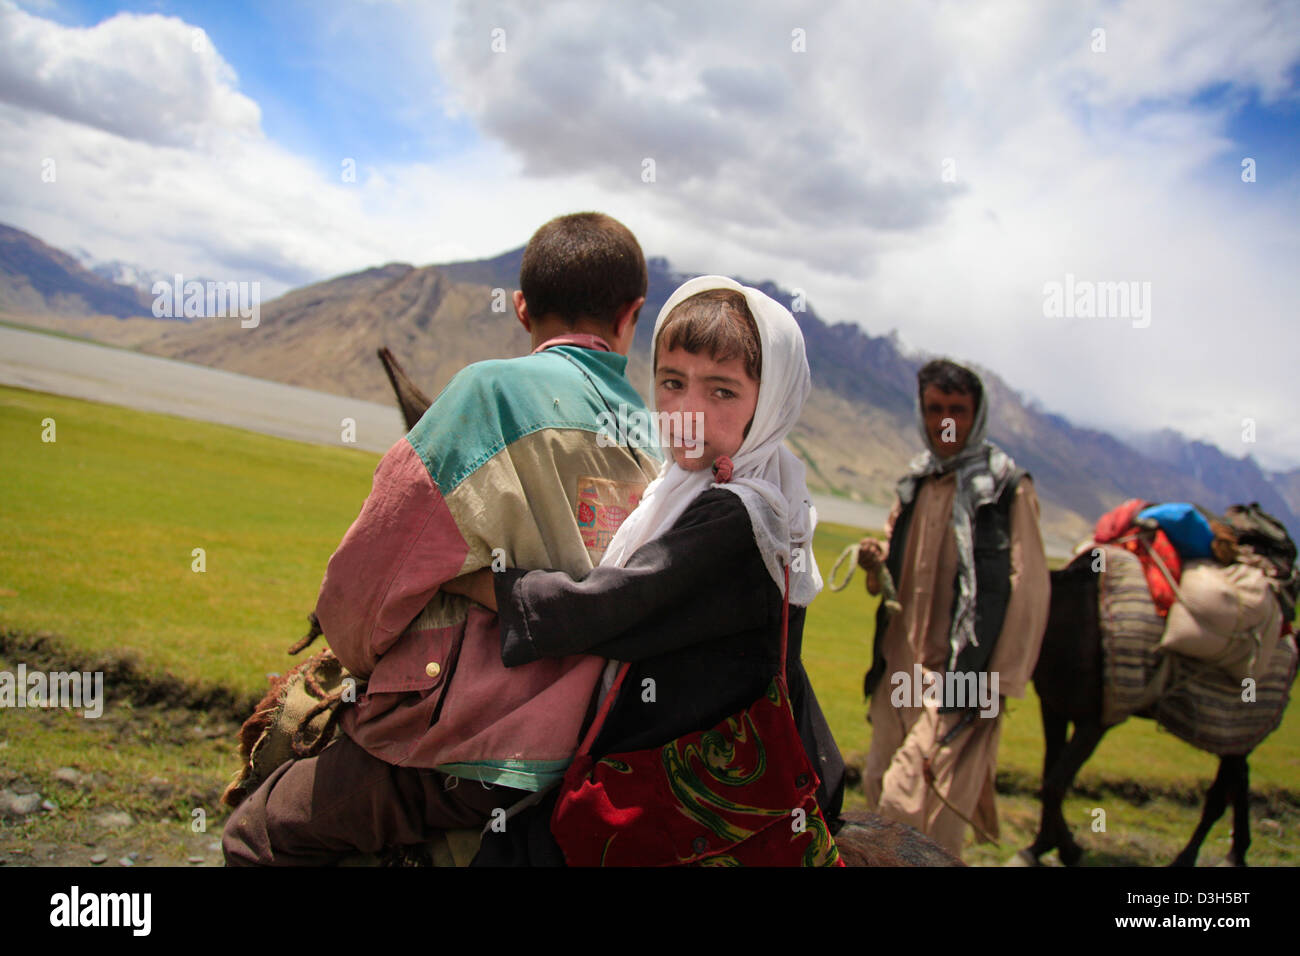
[[477, 586], [871, 552], [871, 556]]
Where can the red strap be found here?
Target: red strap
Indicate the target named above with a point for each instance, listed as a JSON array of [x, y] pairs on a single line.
[[785, 626], [603, 713]]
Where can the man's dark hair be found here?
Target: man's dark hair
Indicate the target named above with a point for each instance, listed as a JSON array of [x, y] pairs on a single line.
[[949, 377], [582, 266]]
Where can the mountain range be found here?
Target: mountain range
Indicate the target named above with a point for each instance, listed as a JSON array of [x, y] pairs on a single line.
[[37, 278], [856, 435]]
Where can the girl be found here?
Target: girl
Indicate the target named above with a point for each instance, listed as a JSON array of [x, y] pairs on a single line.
[[690, 589]]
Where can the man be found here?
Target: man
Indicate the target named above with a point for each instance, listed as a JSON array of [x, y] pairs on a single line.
[[965, 553], [512, 465]]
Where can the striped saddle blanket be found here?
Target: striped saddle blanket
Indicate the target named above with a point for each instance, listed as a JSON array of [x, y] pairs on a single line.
[[1191, 699]]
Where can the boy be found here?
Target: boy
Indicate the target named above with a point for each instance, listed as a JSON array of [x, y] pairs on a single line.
[[509, 466]]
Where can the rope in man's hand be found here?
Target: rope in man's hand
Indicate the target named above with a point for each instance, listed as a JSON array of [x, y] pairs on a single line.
[[850, 554], [927, 772]]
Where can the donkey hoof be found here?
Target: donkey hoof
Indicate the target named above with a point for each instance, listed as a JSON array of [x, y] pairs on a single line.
[[1070, 854], [1023, 858]]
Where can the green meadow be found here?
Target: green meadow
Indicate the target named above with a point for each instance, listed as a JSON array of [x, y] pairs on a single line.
[[192, 553], [101, 528]]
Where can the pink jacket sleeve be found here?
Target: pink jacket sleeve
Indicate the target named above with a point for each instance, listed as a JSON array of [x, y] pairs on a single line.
[[398, 552]]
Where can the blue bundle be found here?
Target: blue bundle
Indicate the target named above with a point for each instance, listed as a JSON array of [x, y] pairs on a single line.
[[1184, 525]]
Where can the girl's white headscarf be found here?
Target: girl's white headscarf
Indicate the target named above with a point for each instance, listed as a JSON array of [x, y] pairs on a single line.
[[766, 476]]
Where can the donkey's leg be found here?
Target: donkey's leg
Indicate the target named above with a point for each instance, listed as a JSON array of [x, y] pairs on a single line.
[[1087, 734], [1240, 809], [1215, 802], [1055, 726]]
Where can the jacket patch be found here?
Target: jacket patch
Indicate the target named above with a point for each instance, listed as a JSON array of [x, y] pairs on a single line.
[[603, 504]]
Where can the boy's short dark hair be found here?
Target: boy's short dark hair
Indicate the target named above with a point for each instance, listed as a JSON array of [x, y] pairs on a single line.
[[582, 266], [949, 377]]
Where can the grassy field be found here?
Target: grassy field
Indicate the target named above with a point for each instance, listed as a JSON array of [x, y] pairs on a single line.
[[101, 525], [99, 532]]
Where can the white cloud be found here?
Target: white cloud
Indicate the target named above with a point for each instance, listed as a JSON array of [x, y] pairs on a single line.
[[176, 175], [150, 78], [820, 170], [254, 211]]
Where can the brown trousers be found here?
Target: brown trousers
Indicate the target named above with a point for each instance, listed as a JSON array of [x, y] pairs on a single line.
[[344, 801], [964, 770]]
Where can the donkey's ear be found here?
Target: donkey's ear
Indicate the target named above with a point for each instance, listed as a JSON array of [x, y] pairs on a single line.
[[413, 402]]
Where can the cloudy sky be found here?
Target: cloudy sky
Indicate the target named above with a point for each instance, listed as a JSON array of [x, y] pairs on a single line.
[[926, 167]]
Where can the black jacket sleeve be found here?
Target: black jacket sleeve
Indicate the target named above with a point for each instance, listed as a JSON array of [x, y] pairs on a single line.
[[657, 603]]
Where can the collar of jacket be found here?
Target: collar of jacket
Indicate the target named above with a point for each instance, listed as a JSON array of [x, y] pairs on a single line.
[[581, 339]]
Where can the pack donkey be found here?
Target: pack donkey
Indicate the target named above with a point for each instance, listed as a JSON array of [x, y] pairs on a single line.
[[1070, 679]]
